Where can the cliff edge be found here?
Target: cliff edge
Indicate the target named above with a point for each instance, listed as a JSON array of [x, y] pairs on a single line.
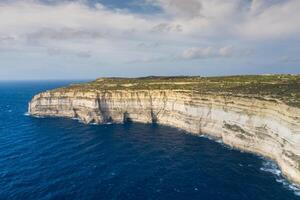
[[259, 114]]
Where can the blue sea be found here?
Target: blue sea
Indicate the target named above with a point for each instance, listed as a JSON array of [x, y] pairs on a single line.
[[52, 158]]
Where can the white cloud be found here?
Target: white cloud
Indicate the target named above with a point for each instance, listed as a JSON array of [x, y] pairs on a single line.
[[187, 8], [278, 20], [207, 52], [226, 51], [289, 59], [117, 34], [253, 19], [57, 52]]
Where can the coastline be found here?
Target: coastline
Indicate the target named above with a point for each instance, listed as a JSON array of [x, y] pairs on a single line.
[[258, 126]]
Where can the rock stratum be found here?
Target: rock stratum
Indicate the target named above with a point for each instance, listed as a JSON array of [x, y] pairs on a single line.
[[259, 114]]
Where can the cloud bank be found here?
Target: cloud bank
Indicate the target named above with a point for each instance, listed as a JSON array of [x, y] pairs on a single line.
[[189, 29]]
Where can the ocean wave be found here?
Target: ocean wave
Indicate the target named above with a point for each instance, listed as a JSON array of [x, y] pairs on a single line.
[[271, 167], [35, 116], [267, 166], [27, 114], [76, 118]]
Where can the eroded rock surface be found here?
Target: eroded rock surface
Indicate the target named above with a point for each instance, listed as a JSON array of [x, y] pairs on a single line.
[[265, 126]]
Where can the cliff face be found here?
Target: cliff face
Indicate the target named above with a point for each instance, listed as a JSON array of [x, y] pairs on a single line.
[[269, 128]]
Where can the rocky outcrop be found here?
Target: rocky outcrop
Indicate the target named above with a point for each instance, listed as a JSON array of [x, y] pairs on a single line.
[[268, 128]]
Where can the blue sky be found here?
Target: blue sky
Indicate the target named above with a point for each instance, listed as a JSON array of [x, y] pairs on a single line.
[[81, 39]]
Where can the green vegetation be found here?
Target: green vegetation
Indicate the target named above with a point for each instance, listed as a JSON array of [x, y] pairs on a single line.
[[285, 88]]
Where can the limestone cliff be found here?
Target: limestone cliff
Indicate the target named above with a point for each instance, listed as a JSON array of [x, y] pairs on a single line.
[[263, 123]]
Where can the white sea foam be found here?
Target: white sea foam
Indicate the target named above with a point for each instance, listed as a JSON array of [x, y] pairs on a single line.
[[76, 118], [97, 124], [271, 167], [35, 116], [210, 138], [219, 141]]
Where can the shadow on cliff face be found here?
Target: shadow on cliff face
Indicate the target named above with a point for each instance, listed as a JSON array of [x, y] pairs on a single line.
[[104, 109], [126, 118], [153, 117]]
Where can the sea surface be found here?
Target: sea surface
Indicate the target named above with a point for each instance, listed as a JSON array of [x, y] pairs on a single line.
[[51, 158]]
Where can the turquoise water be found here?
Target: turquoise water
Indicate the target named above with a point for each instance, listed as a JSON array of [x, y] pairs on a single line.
[[48, 158]]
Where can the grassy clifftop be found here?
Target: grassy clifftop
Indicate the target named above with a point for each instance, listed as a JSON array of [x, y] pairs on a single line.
[[285, 88]]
